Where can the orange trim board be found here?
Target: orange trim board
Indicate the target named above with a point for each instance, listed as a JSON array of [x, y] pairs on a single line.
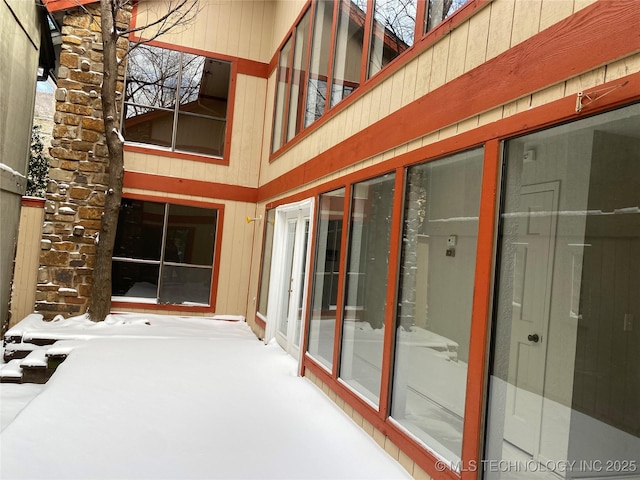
[[33, 202], [159, 183], [57, 5], [420, 45], [245, 66], [586, 40]]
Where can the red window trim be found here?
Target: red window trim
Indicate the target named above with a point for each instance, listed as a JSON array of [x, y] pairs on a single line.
[[231, 100], [216, 257], [420, 45]]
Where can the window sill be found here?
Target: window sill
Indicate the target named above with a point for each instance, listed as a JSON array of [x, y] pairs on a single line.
[[162, 152]]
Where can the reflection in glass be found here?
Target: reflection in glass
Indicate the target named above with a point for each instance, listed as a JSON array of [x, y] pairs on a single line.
[[435, 297], [348, 51], [284, 70], [135, 280], [565, 377], [190, 235], [267, 251], [366, 285], [438, 10], [294, 122], [319, 62], [394, 23], [325, 277], [174, 242], [176, 100]]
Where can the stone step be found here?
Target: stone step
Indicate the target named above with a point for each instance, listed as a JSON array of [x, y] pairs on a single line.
[[11, 372], [35, 368]]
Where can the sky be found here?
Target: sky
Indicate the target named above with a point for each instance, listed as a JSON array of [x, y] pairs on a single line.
[[154, 397]]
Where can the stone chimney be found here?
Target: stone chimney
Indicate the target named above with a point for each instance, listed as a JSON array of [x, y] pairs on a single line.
[[79, 167]]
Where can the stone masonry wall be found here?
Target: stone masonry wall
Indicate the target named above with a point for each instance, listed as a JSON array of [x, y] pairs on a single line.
[[79, 168]]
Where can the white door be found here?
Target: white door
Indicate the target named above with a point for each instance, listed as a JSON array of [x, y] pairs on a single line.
[[532, 276], [289, 276]]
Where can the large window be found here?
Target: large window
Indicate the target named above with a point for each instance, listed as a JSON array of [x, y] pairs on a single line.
[[439, 239], [164, 253], [366, 286], [324, 297], [565, 376], [176, 100], [341, 58]]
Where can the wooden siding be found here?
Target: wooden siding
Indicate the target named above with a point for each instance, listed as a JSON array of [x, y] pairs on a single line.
[[490, 32], [27, 260], [246, 141], [235, 252], [239, 29]]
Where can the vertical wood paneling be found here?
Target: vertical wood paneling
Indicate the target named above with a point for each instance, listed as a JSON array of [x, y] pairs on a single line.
[[547, 95], [27, 260], [457, 51], [409, 85], [526, 20], [439, 64], [553, 11], [500, 27], [396, 91], [423, 74], [583, 82], [374, 112], [621, 68], [477, 39], [223, 30]]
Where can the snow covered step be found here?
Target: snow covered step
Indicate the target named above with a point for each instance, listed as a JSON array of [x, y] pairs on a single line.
[[35, 367], [13, 351], [11, 372]]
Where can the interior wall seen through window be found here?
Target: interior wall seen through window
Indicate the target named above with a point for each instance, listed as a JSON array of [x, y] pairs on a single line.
[[366, 285], [164, 253], [324, 295], [565, 379], [435, 296]]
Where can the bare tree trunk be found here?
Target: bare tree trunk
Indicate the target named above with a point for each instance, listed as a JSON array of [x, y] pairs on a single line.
[[100, 301]]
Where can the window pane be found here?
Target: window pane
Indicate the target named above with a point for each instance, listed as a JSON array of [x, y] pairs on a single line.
[[325, 280], [267, 251], [438, 10], [348, 52], [200, 135], [152, 76], [139, 233], [319, 64], [284, 71], [392, 33], [435, 299], [366, 285], [204, 86], [565, 378], [148, 125], [191, 234], [299, 76], [134, 280], [181, 285], [157, 79]]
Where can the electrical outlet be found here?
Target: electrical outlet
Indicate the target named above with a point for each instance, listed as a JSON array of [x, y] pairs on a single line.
[[452, 240]]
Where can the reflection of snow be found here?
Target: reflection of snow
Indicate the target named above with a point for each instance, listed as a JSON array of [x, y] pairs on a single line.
[[572, 444]]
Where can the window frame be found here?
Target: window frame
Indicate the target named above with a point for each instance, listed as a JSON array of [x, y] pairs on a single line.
[[172, 151], [120, 302], [422, 39]]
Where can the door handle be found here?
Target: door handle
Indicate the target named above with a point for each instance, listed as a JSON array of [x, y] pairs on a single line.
[[533, 337]]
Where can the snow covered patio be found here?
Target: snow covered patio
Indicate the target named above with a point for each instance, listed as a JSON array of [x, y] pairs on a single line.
[[168, 397]]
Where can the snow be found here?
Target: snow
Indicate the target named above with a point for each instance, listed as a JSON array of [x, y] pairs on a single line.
[[177, 397]]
